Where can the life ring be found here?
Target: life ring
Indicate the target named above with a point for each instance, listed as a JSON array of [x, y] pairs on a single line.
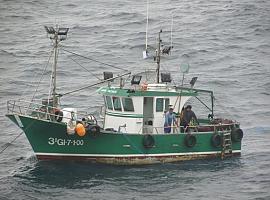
[[58, 115], [148, 141], [216, 140], [190, 140], [237, 135]]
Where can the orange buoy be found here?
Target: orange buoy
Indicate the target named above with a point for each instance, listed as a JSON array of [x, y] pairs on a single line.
[[80, 130]]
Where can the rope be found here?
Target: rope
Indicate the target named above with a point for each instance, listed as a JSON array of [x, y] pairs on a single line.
[[9, 143], [94, 60]]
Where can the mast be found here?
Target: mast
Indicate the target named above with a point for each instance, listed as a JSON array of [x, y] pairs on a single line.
[[56, 35], [55, 99], [158, 56]]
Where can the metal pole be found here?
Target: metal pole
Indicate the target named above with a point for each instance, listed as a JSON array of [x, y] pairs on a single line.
[[180, 96], [55, 99], [158, 56], [212, 101], [147, 21]]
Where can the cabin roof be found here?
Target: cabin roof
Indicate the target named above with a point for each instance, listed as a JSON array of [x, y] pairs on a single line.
[[114, 91]]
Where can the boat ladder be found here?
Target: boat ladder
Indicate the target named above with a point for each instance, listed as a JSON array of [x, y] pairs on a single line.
[[226, 144]]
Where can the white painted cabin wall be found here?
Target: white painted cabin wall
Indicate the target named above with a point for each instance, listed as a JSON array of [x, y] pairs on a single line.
[[133, 125]]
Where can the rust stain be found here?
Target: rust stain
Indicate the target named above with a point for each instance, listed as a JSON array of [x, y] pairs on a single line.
[[146, 160]]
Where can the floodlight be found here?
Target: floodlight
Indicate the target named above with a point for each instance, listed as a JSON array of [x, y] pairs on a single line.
[[136, 80], [166, 77], [107, 75], [50, 30], [63, 31], [193, 81]]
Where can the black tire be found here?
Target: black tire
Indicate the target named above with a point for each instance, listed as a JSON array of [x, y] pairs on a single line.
[[148, 141], [58, 115], [190, 140], [216, 140], [237, 135]]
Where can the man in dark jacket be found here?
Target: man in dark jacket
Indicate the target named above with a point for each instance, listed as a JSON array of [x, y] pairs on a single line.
[[188, 115]]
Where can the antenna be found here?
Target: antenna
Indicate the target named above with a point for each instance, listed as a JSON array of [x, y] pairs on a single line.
[[172, 31], [158, 56], [147, 21], [145, 53]]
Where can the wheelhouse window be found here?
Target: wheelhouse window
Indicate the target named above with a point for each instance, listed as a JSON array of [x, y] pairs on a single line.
[[159, 105], [109, 102], [167, 103], [128, 104], [162, 104], [117, 104]]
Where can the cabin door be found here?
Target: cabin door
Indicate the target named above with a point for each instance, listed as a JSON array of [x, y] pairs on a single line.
[[148, 116]]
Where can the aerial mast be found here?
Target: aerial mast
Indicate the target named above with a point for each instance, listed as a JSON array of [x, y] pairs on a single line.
[[158, 56], [56, 35]]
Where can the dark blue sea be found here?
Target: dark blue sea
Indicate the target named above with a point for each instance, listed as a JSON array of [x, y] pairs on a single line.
[[225, 42]]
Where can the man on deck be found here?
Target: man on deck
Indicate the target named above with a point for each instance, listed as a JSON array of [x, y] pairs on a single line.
[[169, 120], [188, 116]]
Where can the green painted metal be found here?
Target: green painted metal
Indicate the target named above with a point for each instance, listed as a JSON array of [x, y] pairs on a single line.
[[111, 91], [51, 137], [124, 115]]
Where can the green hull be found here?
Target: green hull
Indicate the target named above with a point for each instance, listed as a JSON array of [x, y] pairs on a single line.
[[50, 140]]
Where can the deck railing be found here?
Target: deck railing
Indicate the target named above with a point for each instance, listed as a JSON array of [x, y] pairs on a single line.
[[37, 110], [220, 127]]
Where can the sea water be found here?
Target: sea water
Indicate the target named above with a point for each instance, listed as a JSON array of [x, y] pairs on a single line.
[[225, 42]]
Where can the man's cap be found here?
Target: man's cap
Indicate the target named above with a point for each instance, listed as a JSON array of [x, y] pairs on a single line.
[[171, 107]]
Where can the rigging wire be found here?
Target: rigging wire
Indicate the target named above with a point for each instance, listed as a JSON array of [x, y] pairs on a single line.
[[42, 75], [84, 68], [94, 60], [31, 83], [94, 84]]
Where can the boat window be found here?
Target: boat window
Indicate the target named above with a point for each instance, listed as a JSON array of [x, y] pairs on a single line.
[[128, 104], [117, 103], [159, 105], [109, 102], [162, 104], [167, 103]]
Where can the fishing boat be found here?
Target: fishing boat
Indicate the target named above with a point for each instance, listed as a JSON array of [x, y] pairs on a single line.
[[131, 129]]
